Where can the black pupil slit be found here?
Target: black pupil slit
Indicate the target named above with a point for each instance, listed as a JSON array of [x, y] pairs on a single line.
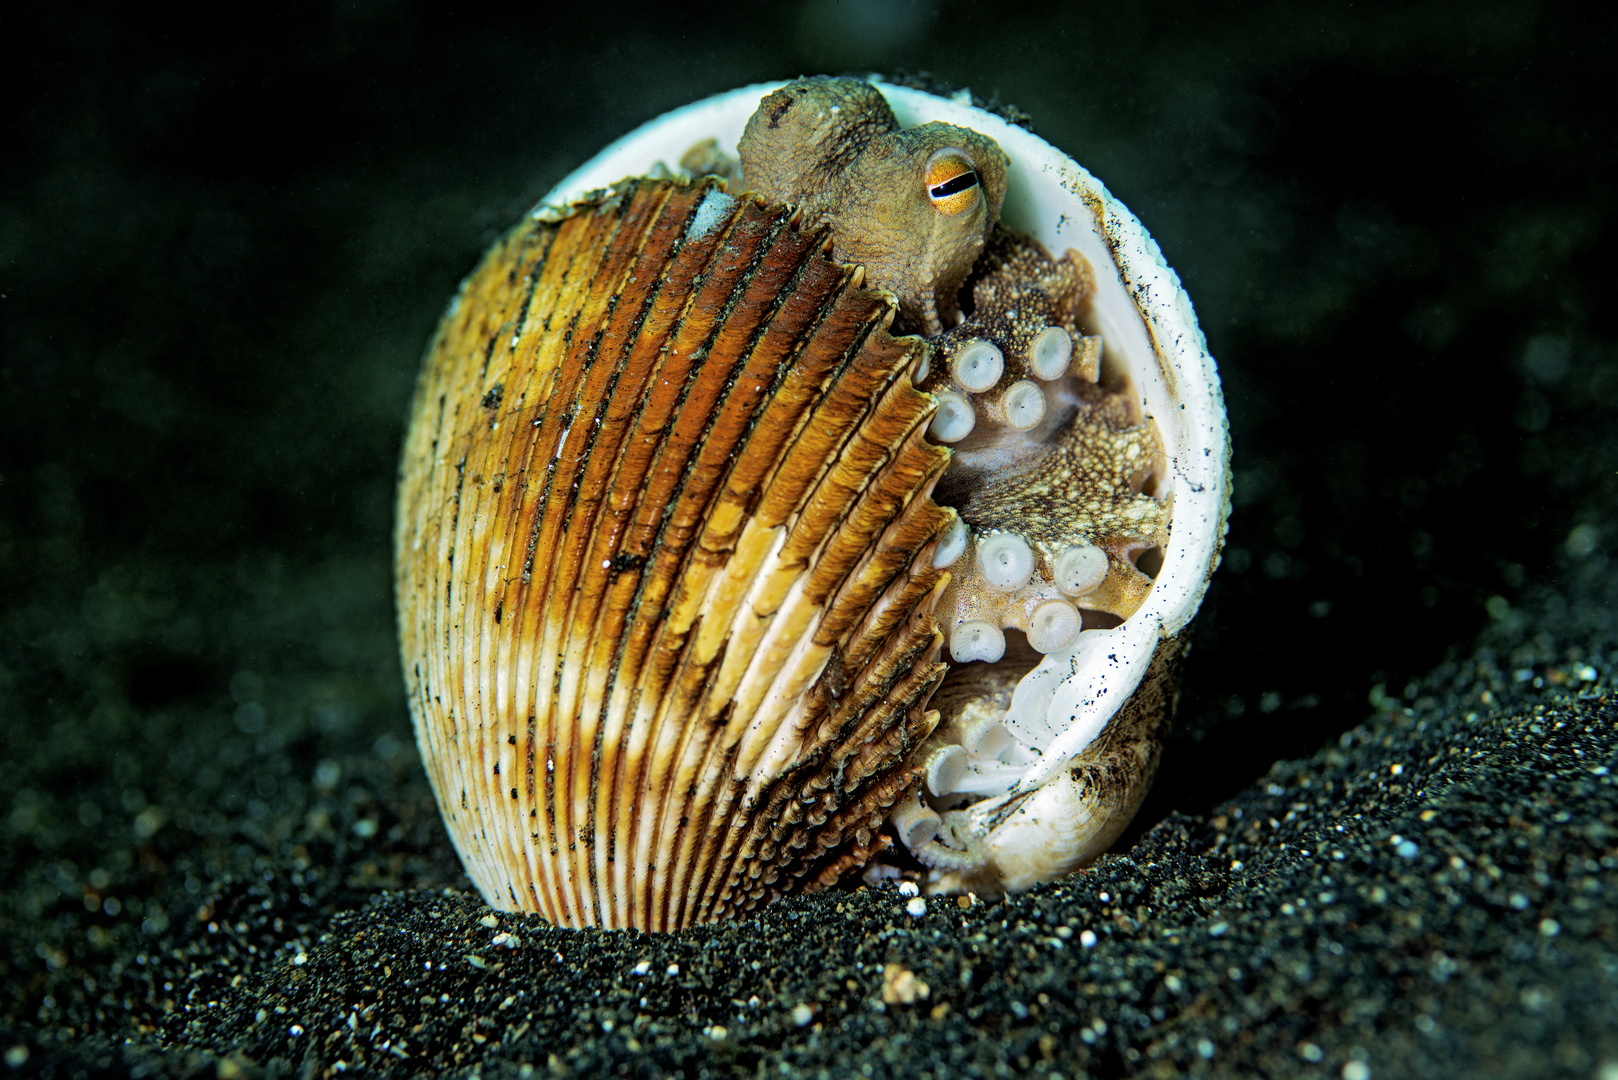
[[954, 184]]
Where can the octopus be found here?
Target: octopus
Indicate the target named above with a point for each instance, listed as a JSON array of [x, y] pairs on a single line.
[[1053, 473]]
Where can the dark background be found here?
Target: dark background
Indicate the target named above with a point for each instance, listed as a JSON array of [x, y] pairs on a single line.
[[223, 244]]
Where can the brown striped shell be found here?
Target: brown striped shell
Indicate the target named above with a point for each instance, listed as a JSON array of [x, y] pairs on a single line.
[[684, 623], [658, 573]]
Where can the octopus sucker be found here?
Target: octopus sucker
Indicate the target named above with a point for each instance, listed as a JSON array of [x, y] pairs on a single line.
[[843, 500]]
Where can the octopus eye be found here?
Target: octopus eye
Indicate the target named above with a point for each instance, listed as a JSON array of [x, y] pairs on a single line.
[[952, 182]]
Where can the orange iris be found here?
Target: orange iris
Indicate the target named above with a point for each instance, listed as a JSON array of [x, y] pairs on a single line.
[[952, 182]]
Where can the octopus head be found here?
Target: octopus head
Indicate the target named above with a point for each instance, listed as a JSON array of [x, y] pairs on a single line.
[[914, 206]]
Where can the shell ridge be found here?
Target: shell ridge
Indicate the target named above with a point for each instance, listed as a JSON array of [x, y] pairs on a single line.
[[808, 659], [532, 277], [895, 657], [734, 515], [849, 398], [777, 346], [754, 572], [691, 759], [468, 758], [674, 443], [828, 341], [789, 673], [887, 567], [856, 734], [907, 596], [776, 755], [520, 238], [768, 348], [706, 589], [620, 340], [639, 601], [655, 427], [687, 901], [788, 695], [591, 307], [510, 446], [631, 465], [414, 576], [500, 653], [581, 578], [890, 496], [682, 792], [750, 620], [790, 618], [437, 379], [708, 477], [780, 571], [870, 506], [554, 424], [554, 377], [582, 694], [468, 665], [856, 457], [624, 696], [814, 663], [645, 342]]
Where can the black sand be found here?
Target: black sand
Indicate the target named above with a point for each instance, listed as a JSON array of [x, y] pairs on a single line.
[[1385, 841]]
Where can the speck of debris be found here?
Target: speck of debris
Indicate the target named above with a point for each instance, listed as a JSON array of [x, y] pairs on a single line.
[[901, 987]]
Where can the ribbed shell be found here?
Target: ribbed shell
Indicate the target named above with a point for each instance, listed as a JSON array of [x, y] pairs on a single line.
[[666, 632]]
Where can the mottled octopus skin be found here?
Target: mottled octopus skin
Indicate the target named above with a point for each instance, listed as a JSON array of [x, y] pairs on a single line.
[[833, 148], [660, 562]]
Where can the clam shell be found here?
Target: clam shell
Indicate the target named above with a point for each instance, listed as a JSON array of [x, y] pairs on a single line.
[[663, 548], [666, 633]]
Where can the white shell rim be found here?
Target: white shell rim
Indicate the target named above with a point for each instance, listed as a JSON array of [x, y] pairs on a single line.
[[1146, 319]]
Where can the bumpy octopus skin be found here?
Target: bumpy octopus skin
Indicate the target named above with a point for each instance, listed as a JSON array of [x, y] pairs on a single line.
[[914, 206]]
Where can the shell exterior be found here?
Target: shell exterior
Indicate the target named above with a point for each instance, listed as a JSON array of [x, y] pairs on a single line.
[[664, 553], [665, 482]]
